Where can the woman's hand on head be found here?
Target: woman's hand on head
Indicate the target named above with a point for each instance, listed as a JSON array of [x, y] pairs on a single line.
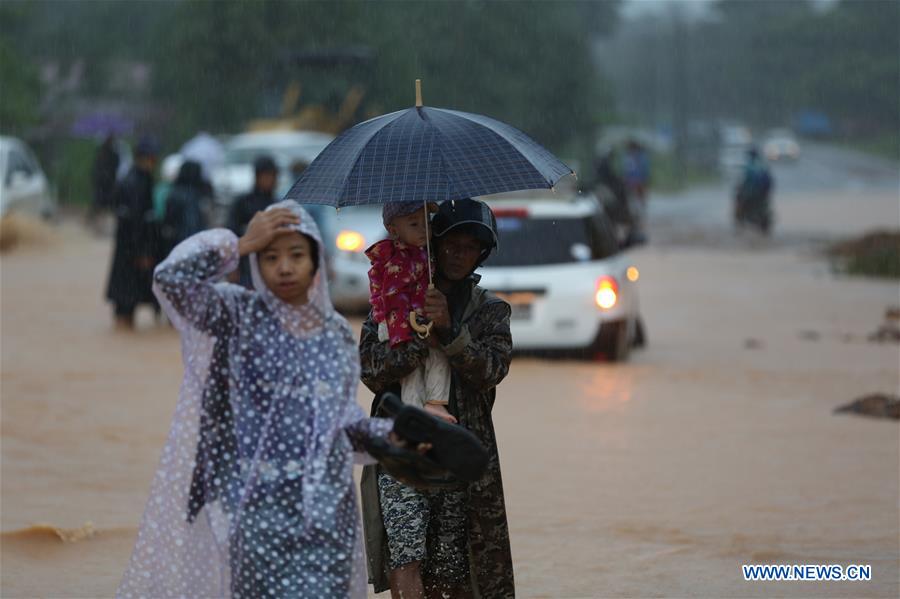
[[264, 227]]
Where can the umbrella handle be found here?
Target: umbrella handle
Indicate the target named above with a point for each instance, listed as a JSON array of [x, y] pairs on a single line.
[[428, 246], [422, 330]]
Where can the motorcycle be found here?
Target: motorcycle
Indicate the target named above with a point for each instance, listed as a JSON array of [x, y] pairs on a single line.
[[752, 201]]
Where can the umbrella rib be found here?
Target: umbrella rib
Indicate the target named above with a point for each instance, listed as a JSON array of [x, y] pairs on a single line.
[[520, 141], [361, 151], [497, 173]]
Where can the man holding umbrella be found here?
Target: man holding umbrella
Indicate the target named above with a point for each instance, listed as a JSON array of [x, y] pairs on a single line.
[[428, 537], [452, 543]]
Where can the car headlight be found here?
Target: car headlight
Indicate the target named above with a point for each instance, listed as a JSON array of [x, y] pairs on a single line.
[[607, 292], [350, 241]]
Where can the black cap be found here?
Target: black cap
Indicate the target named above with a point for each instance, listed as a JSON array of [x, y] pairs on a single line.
[[148, 146], [470, 216]]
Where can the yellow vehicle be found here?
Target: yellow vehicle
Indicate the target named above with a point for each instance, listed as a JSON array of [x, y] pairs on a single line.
[[325, 91]]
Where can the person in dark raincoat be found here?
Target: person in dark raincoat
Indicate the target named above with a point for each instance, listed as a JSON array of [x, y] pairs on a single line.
[[247, 205], [187, 206], [449, 543], [103, 176], [137, 238], [752, 200]]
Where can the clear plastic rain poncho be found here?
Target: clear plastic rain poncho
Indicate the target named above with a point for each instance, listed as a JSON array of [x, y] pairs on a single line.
[[254, 496]]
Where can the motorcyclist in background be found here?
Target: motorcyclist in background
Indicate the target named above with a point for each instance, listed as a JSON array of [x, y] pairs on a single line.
[[612, 191], [752, 200]]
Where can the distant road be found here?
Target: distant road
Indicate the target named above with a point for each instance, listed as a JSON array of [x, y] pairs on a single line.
[[703, 214]]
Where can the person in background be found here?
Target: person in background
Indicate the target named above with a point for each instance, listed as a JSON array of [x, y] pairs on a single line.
[[137, 237], [168, 172], [637, 171], [613, 193], [103, 177], [246, 206], [636, 167], [317, 211], [752, 201], [187, 207]]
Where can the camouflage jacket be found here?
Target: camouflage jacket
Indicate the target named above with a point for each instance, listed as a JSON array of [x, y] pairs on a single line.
[[479, 357]]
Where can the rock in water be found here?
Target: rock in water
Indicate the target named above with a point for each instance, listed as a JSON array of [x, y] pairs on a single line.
[[876, 405]]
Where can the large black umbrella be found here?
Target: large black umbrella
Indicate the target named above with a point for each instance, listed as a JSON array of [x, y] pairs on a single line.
[[426, 154]]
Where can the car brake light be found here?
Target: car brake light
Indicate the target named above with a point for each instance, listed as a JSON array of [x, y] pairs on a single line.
[[510, 212], [350, 241], [607, 292]]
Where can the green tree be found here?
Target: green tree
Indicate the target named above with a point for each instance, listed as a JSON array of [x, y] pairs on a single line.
[[527, 63], [20, 94]]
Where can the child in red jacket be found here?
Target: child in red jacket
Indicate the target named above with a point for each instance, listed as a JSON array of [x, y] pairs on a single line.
[[398, 281]]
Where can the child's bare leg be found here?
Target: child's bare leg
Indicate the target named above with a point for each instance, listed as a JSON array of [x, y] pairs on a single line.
[[445, 591], [437, 385], [406, 582]]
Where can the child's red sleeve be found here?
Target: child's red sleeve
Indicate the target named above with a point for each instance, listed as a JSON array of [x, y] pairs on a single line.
[[376, 285]]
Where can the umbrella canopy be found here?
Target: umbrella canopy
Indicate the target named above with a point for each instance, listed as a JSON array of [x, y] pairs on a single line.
[[426, 154]]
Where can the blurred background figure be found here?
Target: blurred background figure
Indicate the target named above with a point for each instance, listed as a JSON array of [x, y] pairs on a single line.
[[137, 237], [317, 211], [637, 170], [752, 199], [206, 150], [636, 167], [613, 194], [169, 169], [187, 207], [263, 194], [103, 178]]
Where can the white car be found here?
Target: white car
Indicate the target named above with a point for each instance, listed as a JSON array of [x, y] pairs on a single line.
[[734, 142], [560, 268], [24, 187], [558, 265], [348, 232], [291, 150], [781, 144]]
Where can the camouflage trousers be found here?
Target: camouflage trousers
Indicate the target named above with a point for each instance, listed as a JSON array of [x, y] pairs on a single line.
[[427, 527]]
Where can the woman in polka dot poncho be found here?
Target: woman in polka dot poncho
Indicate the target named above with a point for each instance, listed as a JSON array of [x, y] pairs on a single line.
[[254, 494]]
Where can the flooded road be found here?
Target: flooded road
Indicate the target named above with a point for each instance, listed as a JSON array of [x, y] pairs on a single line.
[[714, 447]]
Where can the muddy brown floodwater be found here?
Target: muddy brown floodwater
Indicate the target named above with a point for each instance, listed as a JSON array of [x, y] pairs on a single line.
[[714, 447]]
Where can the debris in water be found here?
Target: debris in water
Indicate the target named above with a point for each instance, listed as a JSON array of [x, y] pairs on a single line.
[[876, 254], [22, 229], [66, 535], [889, 331], [751, 343], [876, 405], [886, 333]]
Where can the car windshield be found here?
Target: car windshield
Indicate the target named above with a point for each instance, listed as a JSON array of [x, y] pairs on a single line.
[[542, 241], [283, 156]]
